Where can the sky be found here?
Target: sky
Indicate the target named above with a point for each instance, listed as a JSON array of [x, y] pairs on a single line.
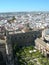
[[23, 5]]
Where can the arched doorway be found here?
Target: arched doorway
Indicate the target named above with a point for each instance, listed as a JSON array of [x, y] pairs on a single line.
[[2, 62]]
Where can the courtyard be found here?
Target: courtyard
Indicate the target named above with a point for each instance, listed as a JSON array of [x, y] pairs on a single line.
[[29, 56]]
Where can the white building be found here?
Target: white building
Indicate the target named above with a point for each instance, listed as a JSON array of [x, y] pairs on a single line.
[[45, 34]]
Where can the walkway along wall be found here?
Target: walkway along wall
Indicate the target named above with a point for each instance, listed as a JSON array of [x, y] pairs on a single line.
[[9, 52]]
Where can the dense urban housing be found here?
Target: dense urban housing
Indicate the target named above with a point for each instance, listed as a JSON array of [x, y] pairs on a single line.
[[24, 38]]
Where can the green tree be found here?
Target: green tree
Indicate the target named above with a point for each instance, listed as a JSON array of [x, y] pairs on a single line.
[[13, 18]]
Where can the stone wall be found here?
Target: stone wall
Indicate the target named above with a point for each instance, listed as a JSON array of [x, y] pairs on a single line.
[[24, 38], [3, 51], [10, 59]]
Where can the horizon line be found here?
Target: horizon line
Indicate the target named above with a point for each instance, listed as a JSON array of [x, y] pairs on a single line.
[[22, 11]]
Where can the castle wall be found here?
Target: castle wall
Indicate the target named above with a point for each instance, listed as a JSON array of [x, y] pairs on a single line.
[[3, 51], [24, 38], [10, 59]]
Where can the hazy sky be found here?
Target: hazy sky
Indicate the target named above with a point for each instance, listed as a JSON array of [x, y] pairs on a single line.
[[24, 5]]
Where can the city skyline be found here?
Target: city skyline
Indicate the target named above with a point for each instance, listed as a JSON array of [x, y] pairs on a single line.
[[23, 5]]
